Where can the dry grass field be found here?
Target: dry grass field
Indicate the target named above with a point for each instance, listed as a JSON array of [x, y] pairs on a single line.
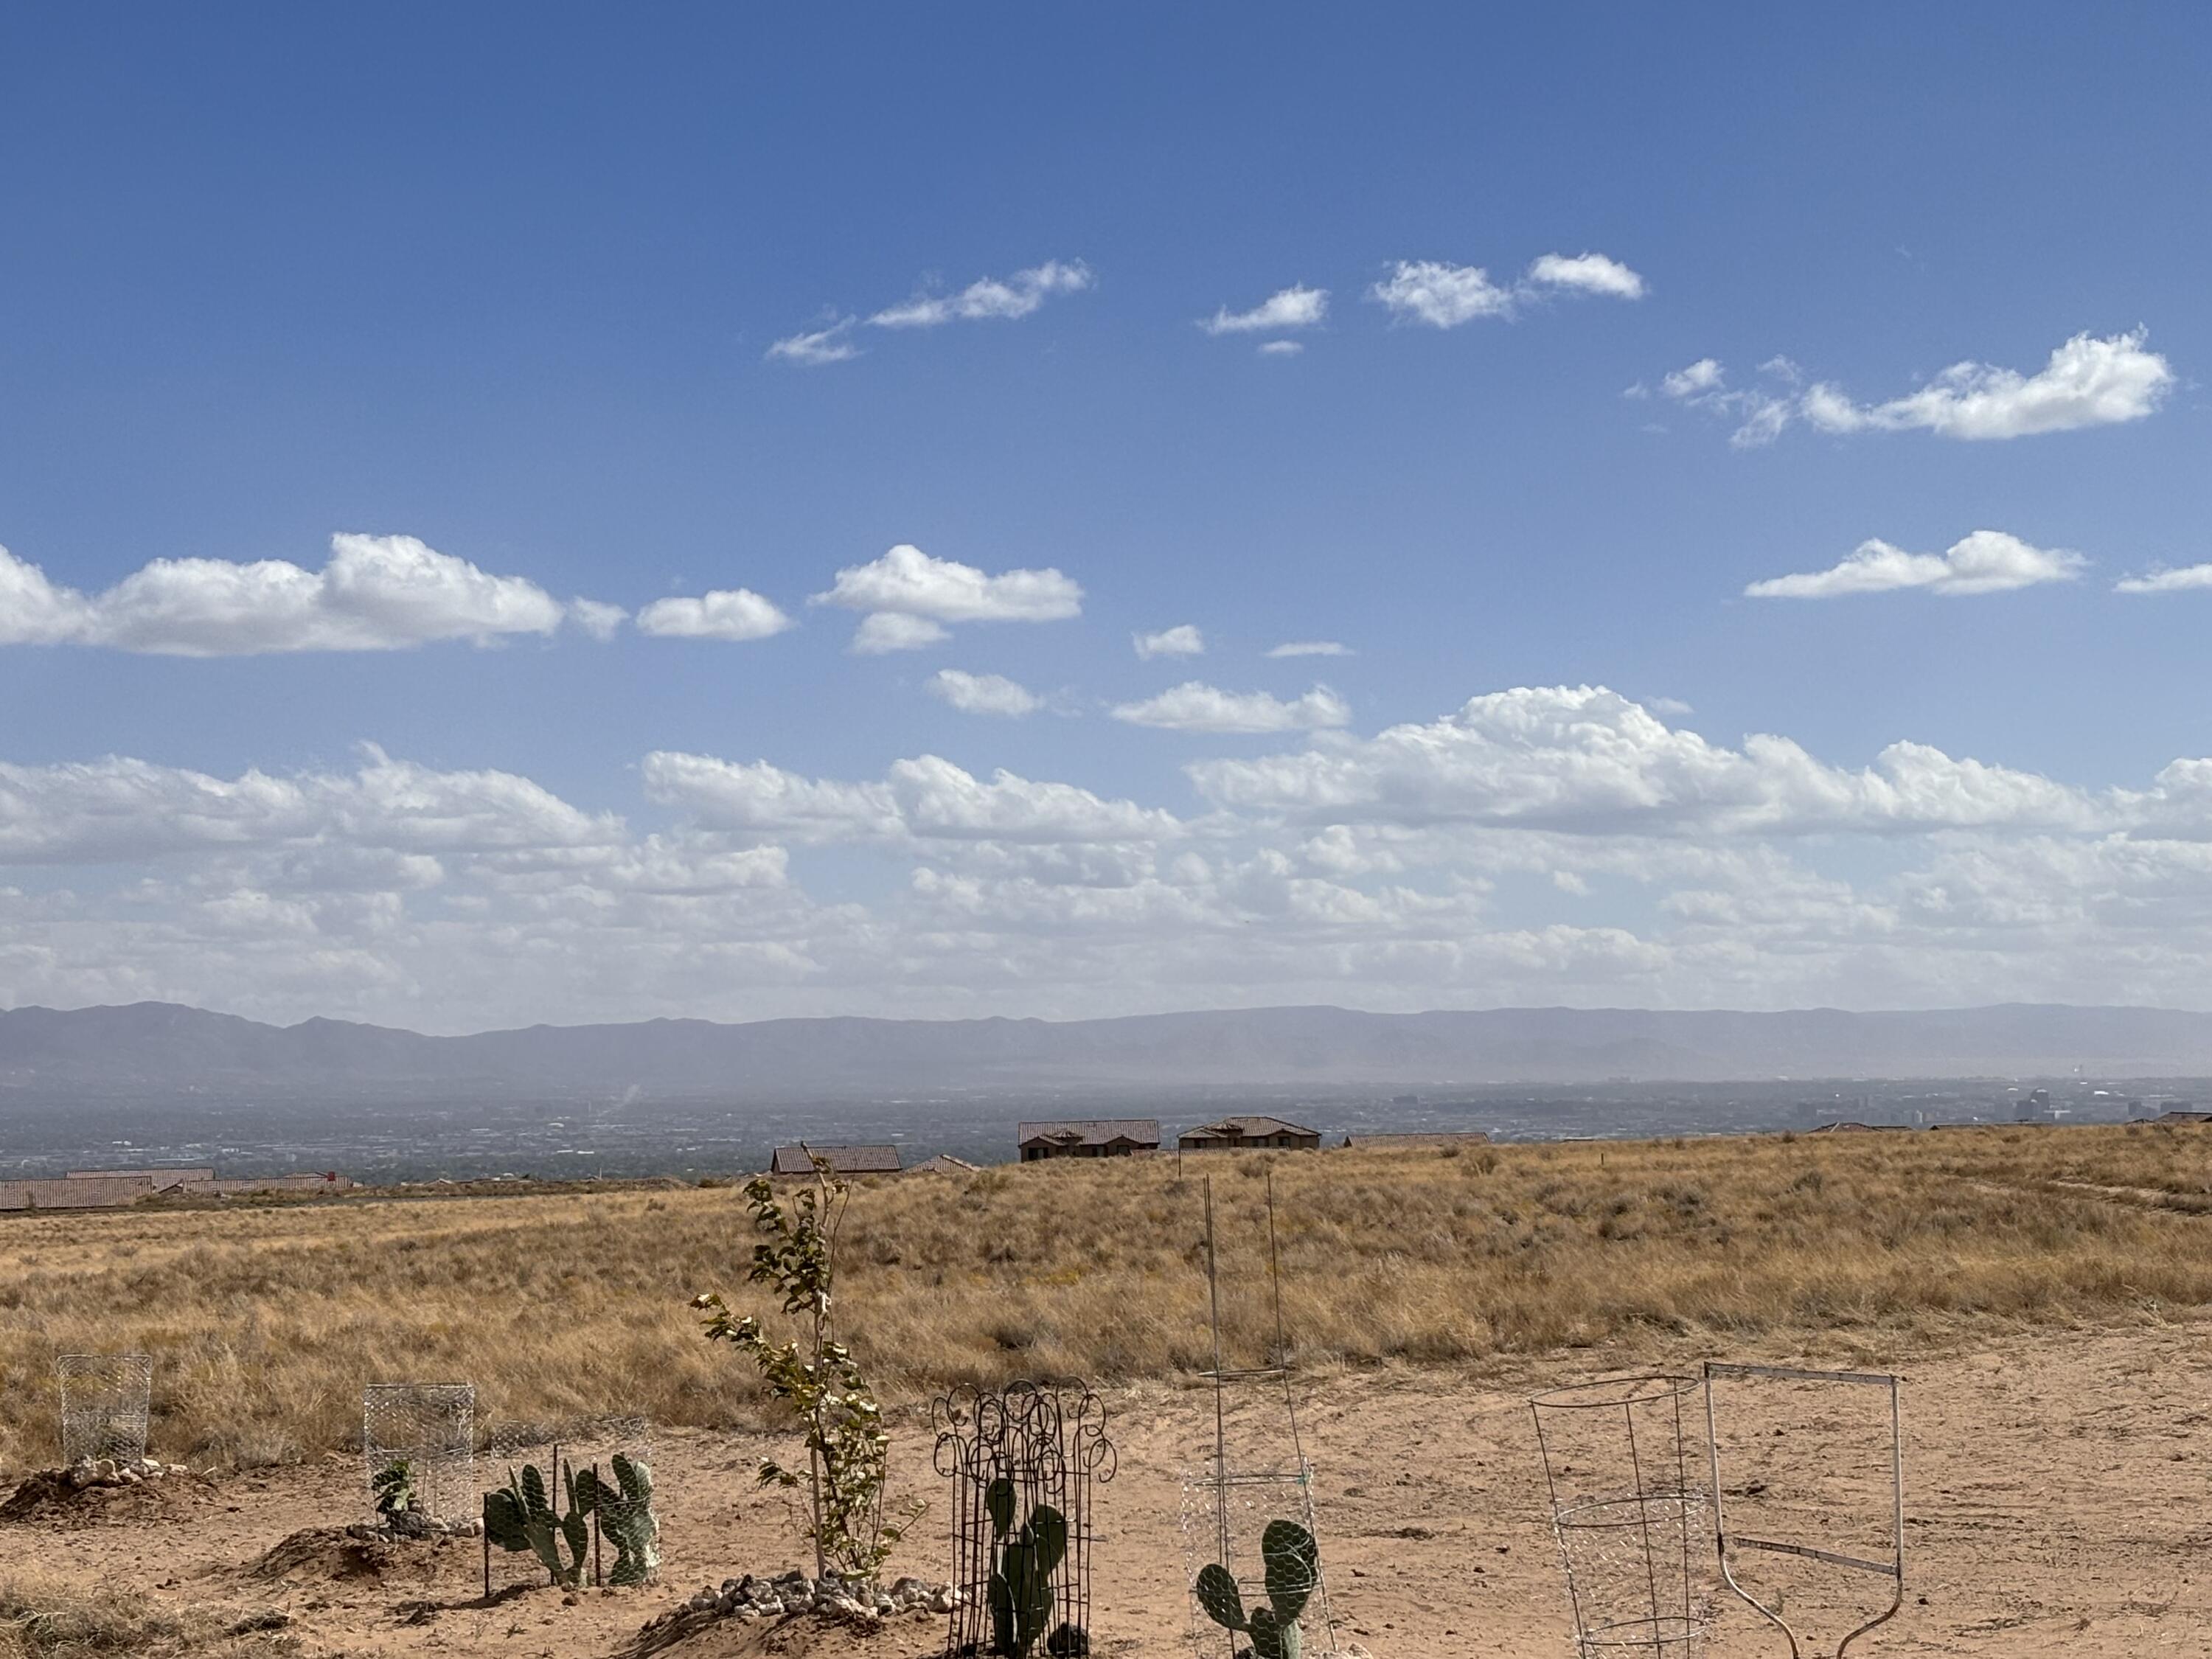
[[265, 1321]]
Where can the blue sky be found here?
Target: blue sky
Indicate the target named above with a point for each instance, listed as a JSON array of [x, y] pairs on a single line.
[[510, 282]]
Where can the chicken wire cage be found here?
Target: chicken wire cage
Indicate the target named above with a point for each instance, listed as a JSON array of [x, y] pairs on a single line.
[[107, 1403], [1022, 1461], [1236, 1528], [430, 1427], [1621, 1464], [608, 1464]]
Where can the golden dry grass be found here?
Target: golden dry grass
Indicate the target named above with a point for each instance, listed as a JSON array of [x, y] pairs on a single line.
[[265, 1323]]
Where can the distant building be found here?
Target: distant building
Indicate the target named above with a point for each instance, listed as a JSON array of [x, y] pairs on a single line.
[[2034, 1107], [1420, 1138], [105, 1189], [943, 1163], [2179, 1117], [1242, 1132], [1852, 1127], [841, 1160], [1089, 1136]]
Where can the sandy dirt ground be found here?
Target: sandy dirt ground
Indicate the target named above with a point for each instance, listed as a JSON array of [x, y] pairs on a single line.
[[2055, 1502]]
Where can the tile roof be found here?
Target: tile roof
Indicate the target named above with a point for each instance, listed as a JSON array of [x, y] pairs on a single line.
[[842, 1160], [1093, 1131], [1247, 1125]]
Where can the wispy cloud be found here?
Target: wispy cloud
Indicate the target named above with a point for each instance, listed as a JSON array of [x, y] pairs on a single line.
[[1986, 562], [1310, 648], [832, 344], [982, 694], [2087, 381], [989, 298], [2184, 579], [1444, 296], [1183, 641], [1288, 308]]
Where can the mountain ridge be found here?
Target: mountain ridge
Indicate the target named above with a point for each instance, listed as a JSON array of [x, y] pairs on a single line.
[[165, 1047]]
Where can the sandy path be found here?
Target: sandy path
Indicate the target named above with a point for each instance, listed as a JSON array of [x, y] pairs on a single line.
[[2056, 1496]]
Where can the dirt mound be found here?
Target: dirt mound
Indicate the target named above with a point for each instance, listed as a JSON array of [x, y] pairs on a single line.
[[50, 1498], [802, 1636], [359, 1555]]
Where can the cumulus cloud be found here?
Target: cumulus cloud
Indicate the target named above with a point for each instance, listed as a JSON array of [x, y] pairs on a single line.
[[600, 621], [989, 298], [1310, 648], [910, 596], [925, 799], [736, 614], [1586, 760], [375, 593], [982, 694], [1297, 306], [1181, 640], [885, 631], [1441, 295], [1588, 273], [1444, 296], [832, 345], [2087, 381], [1194, 706], [1985, 561], [2181, 580]]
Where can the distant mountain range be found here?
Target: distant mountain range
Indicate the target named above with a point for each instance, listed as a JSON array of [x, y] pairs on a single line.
[[163, 1048]]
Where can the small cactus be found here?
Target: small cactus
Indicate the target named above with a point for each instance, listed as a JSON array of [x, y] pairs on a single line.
[[1291, 1561], [521, 1517], [1021, 1578], [624, 1506], [394, 1487]]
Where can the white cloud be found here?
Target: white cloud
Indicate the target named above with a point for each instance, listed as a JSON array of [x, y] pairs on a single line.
[[832, 344], [2086, 382], [908, 582], [376, 594], [1441, 295], [600, 621], [1702, 376], [1181, 640], [1446, 295], [982, 694], [1985, 561], [1194, 706], [2089, 381], [1590, 273], [1281, 347], [885, 631], [1584, 760], [1297, 306], [925, 799], [731, 613], [989, 298], [1310, 648], [2167, 582]]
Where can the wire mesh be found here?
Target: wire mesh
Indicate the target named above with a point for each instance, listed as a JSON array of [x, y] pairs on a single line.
[[107, 1403], [431, 1428], [1622, 1462], [1224, 1523], [570, 1449], [1016, 1458]]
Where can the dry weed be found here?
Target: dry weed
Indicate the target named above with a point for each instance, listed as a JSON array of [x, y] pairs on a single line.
[[265, 1323]]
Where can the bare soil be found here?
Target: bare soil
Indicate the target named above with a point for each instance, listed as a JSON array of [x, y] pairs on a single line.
[[2056, 1496]]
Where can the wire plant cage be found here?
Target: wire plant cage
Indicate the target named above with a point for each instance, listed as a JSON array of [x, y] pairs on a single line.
[[106, 1403], [431, 1428], [1621, 1461], [1250, 1538], [1022, 1461], [620, 1509]]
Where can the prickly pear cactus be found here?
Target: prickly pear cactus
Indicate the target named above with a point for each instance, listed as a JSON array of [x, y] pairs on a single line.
[[521, 1517], [624, 1506], [1021, 1595], [1292, 1562]]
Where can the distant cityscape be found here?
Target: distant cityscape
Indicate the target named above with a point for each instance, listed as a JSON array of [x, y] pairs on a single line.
[[393, 1140]]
